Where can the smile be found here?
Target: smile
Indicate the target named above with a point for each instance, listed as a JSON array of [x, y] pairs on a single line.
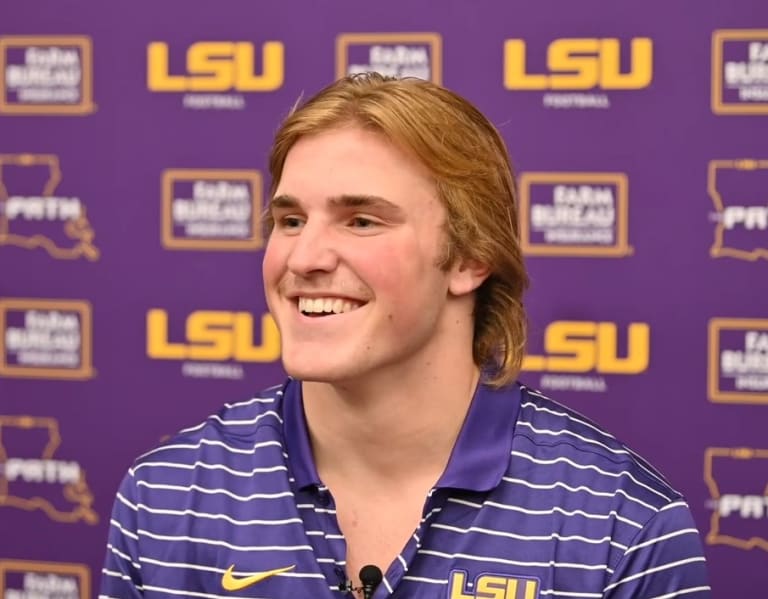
[[326, 305]]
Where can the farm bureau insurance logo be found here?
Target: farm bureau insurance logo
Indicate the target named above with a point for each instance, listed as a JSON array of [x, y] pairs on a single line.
[[740, 71], [33, 215], [738, 360], [578, 72], [33, 477], [46, 75], [574, 214], [216, 75], [212, 343], [738, 489], [739, 192], [211, 209], [576, 354], [22, 579], [393, 54], [45, 339]]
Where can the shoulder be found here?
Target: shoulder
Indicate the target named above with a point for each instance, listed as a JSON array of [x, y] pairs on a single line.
[[564, 443], [235, 434]]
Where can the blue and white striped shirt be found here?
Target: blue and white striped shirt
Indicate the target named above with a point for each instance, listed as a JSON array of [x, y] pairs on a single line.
[[535, 502]]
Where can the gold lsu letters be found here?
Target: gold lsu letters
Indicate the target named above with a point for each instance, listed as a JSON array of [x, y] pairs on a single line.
[[582, 346], [213, 335], [493, 586], [579, 64], [217, 67]]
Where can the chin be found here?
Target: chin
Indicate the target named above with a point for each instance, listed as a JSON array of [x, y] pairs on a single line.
[[312, 371]]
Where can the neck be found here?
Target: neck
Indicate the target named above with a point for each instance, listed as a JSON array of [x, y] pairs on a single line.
[[390, 430]]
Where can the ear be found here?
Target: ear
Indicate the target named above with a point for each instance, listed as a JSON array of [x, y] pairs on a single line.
[[466, 276]]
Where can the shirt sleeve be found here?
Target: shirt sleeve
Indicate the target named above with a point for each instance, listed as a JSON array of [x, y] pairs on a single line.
[[665, 560], [121, 574]]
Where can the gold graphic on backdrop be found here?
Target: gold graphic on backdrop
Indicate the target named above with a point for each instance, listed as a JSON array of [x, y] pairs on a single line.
[[750, 507], [744, 73], [46, 206], [586, 215], [55, 77], [733, 215], [64, 578], [43, 468], [54, 341], [394, 54]]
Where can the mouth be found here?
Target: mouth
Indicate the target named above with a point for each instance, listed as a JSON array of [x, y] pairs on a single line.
[[326, 306]]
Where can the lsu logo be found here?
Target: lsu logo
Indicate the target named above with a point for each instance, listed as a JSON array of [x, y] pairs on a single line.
[[20, 579], [584, 346], [213, 335], [740, 71], [739, 192], [574, 214], [492, 586], [738, 488], [580, 64], [51, 75], [217, 67], [738, 360]]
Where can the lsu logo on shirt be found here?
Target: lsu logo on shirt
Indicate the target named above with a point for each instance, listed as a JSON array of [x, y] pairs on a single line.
[[47, 339], [211, 209], [576, 65], [740, 71], [492, 586], [579, 353], [738, 360], [46, 74], [213, 343], [216, 74], [35, 477], [34, 214], [738, 488], [739, 192], [574, 214], [391, 54]]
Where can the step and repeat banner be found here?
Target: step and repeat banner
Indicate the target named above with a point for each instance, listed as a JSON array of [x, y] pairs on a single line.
[[133, 145]]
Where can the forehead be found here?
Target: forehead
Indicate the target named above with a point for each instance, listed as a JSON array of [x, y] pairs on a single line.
[[352, 161]]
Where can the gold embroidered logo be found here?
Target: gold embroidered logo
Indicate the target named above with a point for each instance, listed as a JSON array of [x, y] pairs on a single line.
[[230, 583]]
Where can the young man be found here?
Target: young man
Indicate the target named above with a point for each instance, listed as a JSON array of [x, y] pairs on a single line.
[[394, 272]]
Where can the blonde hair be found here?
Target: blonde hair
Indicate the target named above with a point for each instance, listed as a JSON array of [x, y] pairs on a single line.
[[468, 160]]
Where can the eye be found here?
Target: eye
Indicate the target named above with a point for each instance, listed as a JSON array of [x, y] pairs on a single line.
[[362, 222], [289, 222]]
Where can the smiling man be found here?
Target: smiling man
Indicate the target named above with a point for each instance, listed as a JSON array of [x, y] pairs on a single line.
[[401, 444]]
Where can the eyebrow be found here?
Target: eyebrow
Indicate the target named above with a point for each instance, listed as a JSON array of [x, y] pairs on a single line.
[[286, 201]]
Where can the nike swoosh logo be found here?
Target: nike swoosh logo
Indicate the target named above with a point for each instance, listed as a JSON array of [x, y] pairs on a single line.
[[230, 583]]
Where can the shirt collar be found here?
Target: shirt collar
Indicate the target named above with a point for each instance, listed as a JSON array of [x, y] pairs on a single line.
[[480, 455], [482, 451], [297, 437]]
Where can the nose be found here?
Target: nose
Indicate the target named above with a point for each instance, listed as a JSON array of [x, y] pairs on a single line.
[[313, 250]]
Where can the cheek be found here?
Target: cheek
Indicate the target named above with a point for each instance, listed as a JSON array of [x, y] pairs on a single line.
[[400, 273], [272, 265]]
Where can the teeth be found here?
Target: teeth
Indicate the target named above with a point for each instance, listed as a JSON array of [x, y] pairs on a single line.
[[326, 305]]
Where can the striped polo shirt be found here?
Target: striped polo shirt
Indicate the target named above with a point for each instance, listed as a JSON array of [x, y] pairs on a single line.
[[535, 502]]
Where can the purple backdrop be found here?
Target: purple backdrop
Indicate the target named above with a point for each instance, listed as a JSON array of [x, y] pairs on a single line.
[[133, 144]]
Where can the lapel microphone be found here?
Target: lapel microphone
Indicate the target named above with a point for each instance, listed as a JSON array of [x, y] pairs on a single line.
[[370, 577]]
